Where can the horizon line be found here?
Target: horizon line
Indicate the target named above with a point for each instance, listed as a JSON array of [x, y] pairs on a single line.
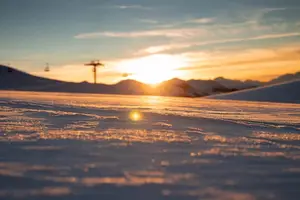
[[186, 80]]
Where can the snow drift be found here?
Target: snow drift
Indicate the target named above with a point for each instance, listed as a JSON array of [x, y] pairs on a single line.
[[288, 92]]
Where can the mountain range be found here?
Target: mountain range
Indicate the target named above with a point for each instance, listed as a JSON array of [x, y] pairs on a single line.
[[13, 79]]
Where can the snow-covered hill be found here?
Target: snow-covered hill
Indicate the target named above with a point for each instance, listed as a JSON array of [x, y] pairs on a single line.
[[14, 79], [288, 92], [238, 84], [285, 78]]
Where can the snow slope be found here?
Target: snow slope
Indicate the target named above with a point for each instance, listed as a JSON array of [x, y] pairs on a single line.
[[285, 78], [11, 78], [58, 146], [288, 92]]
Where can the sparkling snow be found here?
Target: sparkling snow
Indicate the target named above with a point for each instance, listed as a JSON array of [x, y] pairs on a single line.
[[79, 146]]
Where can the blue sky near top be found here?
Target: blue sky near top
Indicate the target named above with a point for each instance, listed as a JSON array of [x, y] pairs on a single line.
[[258, 35]]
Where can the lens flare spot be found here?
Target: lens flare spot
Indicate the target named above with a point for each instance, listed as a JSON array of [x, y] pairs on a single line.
[[135, 116]]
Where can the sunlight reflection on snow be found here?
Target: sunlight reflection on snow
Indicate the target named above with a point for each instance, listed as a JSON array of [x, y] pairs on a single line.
[[46, 191], [189, 148], [135, 116]]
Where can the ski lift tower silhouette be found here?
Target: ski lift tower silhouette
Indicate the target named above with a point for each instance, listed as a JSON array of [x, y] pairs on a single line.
[[95, 64]]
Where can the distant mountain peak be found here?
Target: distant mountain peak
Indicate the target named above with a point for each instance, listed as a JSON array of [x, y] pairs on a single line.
[[285, 78], [220, 78], [129, 81], [238, 84], [174, 81]]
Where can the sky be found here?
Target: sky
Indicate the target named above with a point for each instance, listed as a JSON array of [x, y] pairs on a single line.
[[151, 40]]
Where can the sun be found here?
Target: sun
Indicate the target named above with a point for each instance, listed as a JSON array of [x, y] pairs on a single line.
[[153, 69]]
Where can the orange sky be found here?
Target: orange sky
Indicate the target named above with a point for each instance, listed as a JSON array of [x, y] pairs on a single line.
[[259, 64]]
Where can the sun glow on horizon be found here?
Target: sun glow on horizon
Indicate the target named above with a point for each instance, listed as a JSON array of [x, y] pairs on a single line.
[[154, 69]]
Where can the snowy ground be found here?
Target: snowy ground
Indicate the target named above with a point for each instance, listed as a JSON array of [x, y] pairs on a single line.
[[70, 146]]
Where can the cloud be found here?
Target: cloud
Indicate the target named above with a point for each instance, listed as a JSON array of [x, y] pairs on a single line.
[[148, 21], [162, 48], [284, 16], [176, 29], [248, 59], [201, 20], [132, 7], [274, 36], [267, 10], [172, 33], [165, 30], [260, 37]]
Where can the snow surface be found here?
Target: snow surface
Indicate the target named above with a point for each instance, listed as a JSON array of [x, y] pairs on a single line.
[[78, 146], [288, 92]]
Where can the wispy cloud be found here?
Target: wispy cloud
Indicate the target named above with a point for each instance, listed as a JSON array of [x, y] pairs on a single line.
[[132, 7], [250, 63], [274, 36], [162, 48], [173, 33], [260, 37], [267, 10], [201, 20], [148, 21], [252, 57]]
